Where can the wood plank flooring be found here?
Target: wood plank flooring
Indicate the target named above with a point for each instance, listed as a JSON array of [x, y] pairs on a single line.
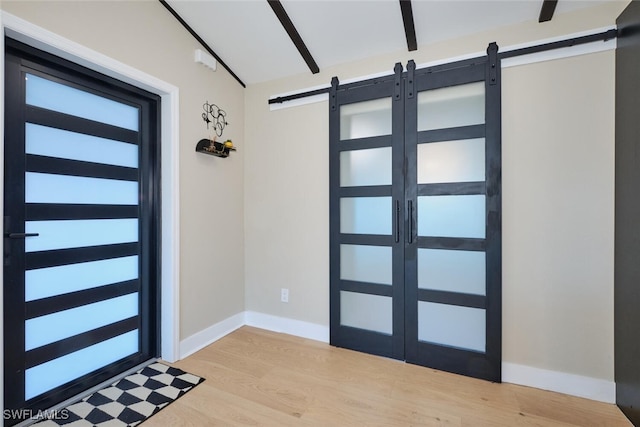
[[261, 378]]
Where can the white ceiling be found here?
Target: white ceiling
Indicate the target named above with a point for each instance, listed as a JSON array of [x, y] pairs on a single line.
[[248, 37]]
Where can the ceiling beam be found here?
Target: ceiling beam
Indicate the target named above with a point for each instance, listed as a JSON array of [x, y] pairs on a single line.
[[202, 42], [409, 26], [282, 15], [546, 12]]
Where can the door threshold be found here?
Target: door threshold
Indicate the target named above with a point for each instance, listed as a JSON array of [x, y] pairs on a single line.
[[80, 396]]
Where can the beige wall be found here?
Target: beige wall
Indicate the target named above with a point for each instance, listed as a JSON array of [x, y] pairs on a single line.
[[558, 205], [144, 35], [557, 200]]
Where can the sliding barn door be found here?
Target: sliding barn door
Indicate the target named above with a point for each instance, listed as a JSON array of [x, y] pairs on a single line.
[[81, 218], [367, 184], [453, 250], [415, 216]]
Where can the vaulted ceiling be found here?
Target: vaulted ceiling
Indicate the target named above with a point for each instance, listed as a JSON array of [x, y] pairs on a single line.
[[251, 37]]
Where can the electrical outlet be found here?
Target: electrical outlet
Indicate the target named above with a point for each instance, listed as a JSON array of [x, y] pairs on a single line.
[[284, 295]]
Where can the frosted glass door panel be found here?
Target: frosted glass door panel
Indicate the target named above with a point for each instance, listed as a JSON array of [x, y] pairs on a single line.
[[451, 325], [49, 375], [79, 233], [365, 119], [364, 311], [361, 263], [67, 323], [453, 271], [366, 215], [52, 281], [449, 107], [451, 161], [451, 216], [365, 167], [63, 189], [65, 99], [51, 142]]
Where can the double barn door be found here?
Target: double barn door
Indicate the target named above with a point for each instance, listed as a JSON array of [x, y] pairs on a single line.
[[415, 216]]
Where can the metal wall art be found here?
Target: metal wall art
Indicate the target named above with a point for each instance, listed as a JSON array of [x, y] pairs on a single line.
[[217, 118]]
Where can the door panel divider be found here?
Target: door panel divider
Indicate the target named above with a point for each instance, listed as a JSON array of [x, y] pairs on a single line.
[[451, 134], [366, 239], [69, 345], [57, 120], [452, 243], [452, 298], [366, 191], [58, 257], [366, 288], [52, 211], [54, 304], [58, 166], [365, 143], [452, 189]]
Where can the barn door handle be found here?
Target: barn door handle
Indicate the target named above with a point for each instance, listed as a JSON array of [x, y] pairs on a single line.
[[397, 221], [410, 221], [22, 235]]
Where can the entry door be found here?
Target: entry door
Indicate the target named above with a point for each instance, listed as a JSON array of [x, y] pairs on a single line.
[[81, 218], [415, 217]]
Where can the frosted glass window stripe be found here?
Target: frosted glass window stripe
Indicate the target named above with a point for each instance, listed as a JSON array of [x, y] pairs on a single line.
[[51, 281], [64, 324], [365, 119], [371, 166], [451, 161], [52, 142], [362, 263], [56, 372], [65, 99], [452, 216], [453, 271], [64, 234], [63, 189], [364, 311], [455, 326], [366, 215], [463, 91], [452, 106]]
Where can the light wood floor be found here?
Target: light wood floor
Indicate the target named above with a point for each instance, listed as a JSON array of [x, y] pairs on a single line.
[[260, 378]]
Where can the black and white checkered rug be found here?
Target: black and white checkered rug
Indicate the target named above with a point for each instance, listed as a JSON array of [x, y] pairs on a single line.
[[130, 401]]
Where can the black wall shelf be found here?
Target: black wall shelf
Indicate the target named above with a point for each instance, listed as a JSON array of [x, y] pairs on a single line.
[[213, 148]]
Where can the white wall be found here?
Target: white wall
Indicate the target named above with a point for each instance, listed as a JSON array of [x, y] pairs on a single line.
[[557, 200]]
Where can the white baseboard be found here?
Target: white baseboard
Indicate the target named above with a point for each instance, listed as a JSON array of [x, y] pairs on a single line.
[[561, 382], [287, 326], [213, 333]]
